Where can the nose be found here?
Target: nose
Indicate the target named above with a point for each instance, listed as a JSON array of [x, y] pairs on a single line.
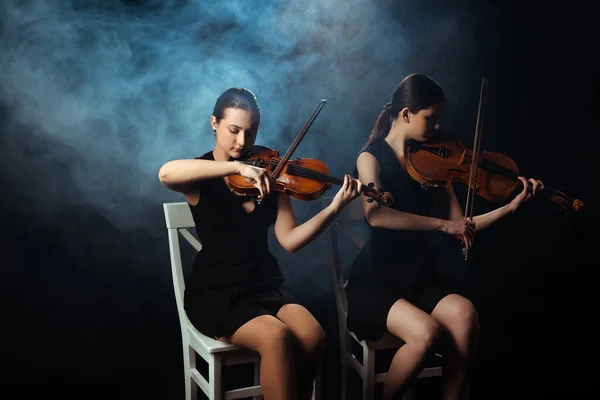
[[241, 138]]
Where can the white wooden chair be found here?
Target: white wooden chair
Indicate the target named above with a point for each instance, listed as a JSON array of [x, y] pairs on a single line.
[[217, 354], [366, 368]]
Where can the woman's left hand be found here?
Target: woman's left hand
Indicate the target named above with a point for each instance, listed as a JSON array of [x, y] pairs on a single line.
[[350, 190], [531, 187]]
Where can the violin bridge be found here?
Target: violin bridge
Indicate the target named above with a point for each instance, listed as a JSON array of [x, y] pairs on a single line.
[[465, 159]]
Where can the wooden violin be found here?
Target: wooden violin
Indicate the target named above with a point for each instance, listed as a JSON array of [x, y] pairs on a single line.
[[493, 176], [303, 178], [447, 160]]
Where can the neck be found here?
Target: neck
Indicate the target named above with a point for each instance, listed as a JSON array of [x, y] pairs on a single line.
[[397, 140], [219, 154]]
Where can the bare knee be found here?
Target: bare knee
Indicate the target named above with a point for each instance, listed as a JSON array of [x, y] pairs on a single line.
[[275, 339], [425, 335], [311, 339], [264, 334], [461, 317], [413, 326], [467, 316], [422, 334]]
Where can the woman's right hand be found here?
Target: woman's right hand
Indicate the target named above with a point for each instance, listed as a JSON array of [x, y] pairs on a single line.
[[462, 229], [258, 177]]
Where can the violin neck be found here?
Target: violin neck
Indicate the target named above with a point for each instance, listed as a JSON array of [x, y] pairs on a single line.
[[297, 170], [510, 174], [498, 169]]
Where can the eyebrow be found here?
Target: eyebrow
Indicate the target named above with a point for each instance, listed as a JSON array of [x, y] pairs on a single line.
[[239, 127]]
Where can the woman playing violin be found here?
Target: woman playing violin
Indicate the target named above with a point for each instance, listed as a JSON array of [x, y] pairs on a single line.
[[393, 286], [233, 291]]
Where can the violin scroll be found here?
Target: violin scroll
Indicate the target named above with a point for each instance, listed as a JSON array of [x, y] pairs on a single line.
[[565, 202], [378, 195]]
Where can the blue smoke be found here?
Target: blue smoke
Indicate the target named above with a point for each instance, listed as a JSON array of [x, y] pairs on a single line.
[[118, 88], [96, 95], [105, 92]]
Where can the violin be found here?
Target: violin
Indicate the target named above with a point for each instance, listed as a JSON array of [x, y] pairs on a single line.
[[491, 175], [447, 160], [303, 178]]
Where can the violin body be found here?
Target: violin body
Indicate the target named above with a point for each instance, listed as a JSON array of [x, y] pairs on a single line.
[[444, 162], [291, 180], [447, 160], [303, 178]]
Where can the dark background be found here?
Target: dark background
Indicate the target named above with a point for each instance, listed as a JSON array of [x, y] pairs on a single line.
[[88, 305]]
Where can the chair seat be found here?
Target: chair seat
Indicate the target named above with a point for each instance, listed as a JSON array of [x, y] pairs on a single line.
[[387, 341], [210, 345]]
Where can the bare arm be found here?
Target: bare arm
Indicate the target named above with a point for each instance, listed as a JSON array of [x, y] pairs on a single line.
[[180, 175], [456, 212], [481, 221], [292, 236], [484, 220], [388, 218]]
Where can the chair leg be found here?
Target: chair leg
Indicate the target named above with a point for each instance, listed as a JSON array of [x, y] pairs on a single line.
[[368, 380], [318, 383], [214, 379], [189, 363], [257, 379], [345, 352]]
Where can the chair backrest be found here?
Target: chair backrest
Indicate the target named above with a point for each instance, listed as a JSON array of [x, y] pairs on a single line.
[[178, 217], [352, 212]]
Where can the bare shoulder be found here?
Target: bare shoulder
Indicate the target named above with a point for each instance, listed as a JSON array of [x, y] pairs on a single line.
[[367, 163]]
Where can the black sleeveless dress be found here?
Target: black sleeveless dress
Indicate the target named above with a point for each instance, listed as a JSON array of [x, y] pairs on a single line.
[[234, 278], [394, 264]]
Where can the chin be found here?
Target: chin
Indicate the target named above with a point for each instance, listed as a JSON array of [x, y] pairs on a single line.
[[239, 155]]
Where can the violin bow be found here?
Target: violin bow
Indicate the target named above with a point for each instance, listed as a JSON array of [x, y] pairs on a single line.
[[475, 158], [296, 142], [298, 139]]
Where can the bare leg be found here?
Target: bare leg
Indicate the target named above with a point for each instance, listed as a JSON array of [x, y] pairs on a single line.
[[271, 338], [460, 325], [420, 332], [308, 338]]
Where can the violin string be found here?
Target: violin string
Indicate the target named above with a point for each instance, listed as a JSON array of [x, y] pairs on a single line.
[[312, 174], [301, 171], [304, 172]]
